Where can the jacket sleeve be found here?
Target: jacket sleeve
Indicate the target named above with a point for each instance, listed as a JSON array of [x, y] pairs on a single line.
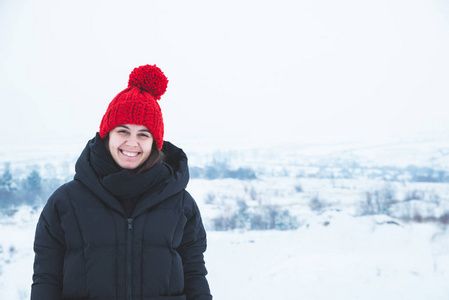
[[192, 248], [49, 248]]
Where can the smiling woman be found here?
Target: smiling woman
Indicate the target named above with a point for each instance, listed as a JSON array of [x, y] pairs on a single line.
[[125, 227]]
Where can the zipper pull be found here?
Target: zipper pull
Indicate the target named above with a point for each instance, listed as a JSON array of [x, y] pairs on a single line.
[[130, 224]]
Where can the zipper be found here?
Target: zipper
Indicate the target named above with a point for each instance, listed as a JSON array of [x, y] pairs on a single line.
[[129, 249]]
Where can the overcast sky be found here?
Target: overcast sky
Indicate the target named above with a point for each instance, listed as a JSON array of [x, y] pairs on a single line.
[[312, 71]]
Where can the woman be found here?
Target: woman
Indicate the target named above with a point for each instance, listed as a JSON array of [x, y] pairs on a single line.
[[125, 227]]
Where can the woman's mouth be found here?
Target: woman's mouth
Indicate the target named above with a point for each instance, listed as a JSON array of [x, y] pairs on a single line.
[[129, 154]]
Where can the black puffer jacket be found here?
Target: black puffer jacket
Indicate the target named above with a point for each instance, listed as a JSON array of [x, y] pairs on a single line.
[[87, 248]]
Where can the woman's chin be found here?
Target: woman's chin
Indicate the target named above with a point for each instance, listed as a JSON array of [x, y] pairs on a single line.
[[129, 165]]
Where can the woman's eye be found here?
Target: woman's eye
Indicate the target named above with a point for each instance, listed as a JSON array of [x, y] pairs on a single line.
[[144, 135], [122, 131]]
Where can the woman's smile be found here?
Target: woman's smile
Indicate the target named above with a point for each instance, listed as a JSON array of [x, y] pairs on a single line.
[[129, 153]]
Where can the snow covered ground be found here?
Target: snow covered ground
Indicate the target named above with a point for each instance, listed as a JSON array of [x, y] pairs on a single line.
[[332, 256]]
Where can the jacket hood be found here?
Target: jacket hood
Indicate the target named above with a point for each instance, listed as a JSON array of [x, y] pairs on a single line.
[[172, 177]]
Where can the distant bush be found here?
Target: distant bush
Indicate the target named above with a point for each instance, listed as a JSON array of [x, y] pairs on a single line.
[[316, 203], [444, 219], [273, 217], [196, 172], [298, 188], [417, 205], [210, 198], [6, 181], [418, 218], [414, 195], [378, 201], [242, 174], [263, 217], [252, 192], [220, 170]]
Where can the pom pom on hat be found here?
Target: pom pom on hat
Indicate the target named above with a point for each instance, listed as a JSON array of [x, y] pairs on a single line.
[[137, 104], [150, 79]]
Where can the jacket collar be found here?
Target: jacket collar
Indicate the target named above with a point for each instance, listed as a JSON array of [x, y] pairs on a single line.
[[106, 180]]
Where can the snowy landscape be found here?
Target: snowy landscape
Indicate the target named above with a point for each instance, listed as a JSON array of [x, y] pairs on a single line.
[[347, 221], [317, 137]]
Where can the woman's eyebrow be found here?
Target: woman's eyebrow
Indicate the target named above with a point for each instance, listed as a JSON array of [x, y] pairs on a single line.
[[123, 126]]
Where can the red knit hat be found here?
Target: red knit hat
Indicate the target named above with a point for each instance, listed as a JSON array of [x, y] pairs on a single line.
[[138, 103]]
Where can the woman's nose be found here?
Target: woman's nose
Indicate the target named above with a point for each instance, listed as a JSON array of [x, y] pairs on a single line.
[[131, 141]]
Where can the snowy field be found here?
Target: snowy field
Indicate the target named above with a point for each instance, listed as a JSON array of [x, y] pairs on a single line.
[[332, 256], [335, 252]]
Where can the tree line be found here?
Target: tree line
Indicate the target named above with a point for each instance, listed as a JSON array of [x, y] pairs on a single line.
[[30, 189]]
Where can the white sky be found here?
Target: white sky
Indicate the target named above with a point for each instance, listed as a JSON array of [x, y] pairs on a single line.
[[322, 71]]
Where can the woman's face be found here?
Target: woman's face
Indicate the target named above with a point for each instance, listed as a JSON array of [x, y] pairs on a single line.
[[130, 145]]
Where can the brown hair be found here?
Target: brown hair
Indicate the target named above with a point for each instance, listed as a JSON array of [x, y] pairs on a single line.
[[156, 156]]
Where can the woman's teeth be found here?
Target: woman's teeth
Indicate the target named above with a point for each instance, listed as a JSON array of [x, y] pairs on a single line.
[[131, 154]]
